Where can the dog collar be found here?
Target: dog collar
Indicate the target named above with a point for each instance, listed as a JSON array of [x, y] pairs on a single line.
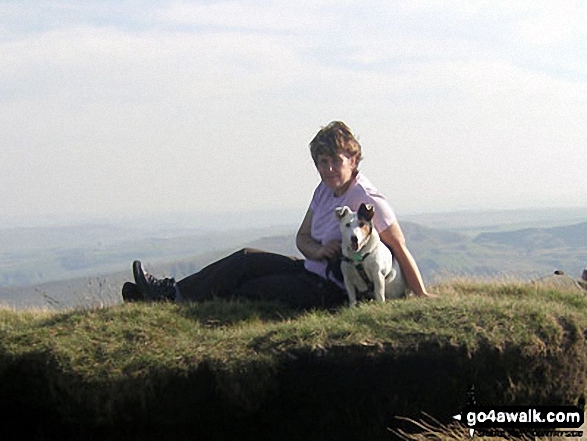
[[356, 257]]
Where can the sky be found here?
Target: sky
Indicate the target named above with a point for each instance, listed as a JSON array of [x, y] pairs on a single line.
[[112, 108]]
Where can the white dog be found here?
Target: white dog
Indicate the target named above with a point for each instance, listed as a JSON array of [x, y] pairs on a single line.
[[367, 264]]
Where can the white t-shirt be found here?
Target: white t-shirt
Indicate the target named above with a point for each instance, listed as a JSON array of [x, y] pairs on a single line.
[[325, 224]]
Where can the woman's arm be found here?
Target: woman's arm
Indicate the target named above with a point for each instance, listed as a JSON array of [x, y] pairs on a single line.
[[312, 249], [394, 238]]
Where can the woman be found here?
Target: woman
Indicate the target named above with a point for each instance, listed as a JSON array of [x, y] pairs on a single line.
[[302, 283]]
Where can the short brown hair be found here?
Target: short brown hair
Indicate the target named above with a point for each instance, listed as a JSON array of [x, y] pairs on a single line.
[[334, 138]]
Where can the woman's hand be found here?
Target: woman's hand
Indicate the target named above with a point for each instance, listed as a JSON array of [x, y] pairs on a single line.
[[310, 248], [330, 250]]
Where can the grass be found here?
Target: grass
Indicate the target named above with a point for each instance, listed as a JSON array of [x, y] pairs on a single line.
[[258, 369], [430, 429]]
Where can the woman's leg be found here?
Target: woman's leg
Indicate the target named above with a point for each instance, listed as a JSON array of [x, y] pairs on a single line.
[[223, 277], [258, 275], [299, 290]]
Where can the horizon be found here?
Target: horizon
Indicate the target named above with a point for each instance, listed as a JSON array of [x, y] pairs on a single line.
[[276, 218], [114, 110]]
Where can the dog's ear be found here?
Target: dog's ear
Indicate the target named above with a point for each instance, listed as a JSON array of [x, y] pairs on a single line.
[[366, 212], [341, 211]]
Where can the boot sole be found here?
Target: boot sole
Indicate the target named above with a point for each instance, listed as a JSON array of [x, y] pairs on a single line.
[[141, 281], [131, 293]]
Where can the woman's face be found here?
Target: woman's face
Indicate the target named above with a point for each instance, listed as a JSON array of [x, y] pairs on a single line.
[[337, 172]]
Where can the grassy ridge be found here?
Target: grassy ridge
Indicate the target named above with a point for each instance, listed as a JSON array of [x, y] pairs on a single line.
[[261, 370]]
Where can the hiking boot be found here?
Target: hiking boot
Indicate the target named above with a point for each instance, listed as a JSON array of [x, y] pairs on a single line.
[[131, 293], [151, 288]]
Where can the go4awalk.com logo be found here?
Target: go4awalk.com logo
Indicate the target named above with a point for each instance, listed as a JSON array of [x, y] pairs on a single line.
[[534, 420]]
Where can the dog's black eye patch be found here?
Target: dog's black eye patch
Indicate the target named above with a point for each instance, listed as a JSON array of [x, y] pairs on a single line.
[[361, 224]]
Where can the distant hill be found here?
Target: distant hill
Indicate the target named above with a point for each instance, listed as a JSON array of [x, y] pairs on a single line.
[[532, 239], [422, 237], [474, 222], [526, 253], [44, 254]]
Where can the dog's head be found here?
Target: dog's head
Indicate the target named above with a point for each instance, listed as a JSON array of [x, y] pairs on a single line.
[[356, 227]]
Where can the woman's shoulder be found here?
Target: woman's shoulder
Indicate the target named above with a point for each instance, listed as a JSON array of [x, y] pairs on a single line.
[[365, 192], [320, 193], [364, 188]]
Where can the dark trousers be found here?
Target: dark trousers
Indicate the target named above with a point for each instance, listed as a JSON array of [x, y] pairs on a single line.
[[258, 275]]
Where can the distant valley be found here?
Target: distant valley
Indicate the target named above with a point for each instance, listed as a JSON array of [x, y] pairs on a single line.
[[83, 265]]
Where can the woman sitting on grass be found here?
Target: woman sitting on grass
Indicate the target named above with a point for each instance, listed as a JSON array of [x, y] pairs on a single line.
[[300, 283]]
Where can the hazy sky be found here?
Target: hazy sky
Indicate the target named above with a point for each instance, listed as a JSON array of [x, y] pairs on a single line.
[[110, 107]]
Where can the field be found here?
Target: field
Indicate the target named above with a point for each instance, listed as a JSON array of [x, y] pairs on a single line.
[[228, 370]]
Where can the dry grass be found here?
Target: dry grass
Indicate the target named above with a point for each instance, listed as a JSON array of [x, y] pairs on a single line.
[[518, 342]]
